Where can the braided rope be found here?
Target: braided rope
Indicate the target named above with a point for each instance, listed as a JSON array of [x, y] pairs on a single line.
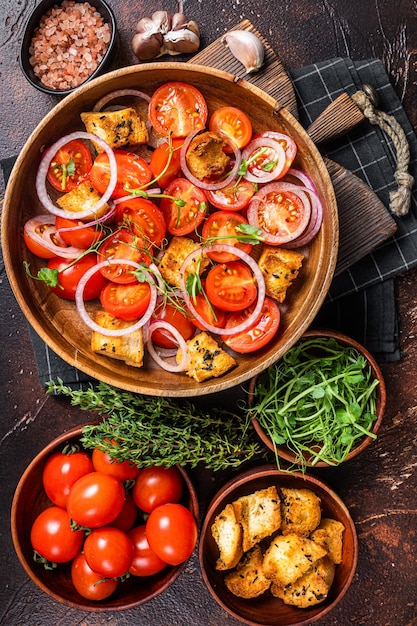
[[399, 199]]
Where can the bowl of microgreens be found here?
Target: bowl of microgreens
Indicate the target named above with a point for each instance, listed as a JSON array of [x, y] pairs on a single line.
[[322, 403]]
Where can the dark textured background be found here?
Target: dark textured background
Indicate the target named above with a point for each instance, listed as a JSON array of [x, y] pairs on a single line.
[[380, 487]]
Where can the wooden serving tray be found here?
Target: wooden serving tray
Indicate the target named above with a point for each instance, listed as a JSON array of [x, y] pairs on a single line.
[[360, 230]]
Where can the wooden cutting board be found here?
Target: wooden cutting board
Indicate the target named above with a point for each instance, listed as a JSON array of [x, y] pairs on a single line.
[[360, 232]]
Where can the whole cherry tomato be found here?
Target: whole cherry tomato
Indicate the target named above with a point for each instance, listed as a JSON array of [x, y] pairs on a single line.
[[123, 470], [155, 486], [145, 562], [61, 471], [96, 499], [70, 273], [171, 530], [89, 584], [108, 551], [52, 537]]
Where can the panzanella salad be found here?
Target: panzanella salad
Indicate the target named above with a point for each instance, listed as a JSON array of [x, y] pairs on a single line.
[[174, 232]]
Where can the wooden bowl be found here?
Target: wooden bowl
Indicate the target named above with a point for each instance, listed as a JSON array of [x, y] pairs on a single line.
[[56, 321], [267, 610], [108, 16], [282, 451], [30, 499]]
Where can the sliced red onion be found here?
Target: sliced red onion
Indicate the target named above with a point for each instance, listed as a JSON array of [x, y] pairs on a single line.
[[221, 247], [49, 233], [313, 227], [96, 222], [200, 183], [148, 192], [255, 146], [43, 170], [303, 178], [156, 355], [79, 299], [120, 93]]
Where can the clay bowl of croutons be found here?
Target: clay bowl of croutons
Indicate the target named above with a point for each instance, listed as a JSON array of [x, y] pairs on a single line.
[[74, 211], [277, 548]]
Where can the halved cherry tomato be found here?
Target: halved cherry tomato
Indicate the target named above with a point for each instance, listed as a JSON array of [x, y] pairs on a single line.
[[70, 273], [108, 551], [175, 314], [177, 109], [52, 537], [145, 562], [165, 162], [123, 244], [41, 229], [143, 218], [157, 485], [96, 499], [132, 172], [61, 471], [234, 197], [126, 302], [233, 123], [287, 143], [186, 211], [70, 166], [259, 333], [103, 462], [83, 237], [89, 584], [222, 227], [212, 314], [231, 286]]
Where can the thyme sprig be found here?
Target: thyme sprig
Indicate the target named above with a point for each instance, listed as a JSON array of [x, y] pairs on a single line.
[[150, 430]]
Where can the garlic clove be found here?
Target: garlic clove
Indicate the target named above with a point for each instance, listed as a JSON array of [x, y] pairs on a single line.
[[246, 47], [146, 45], [162, 21], [146, 25], [181, 41], [179, 20]]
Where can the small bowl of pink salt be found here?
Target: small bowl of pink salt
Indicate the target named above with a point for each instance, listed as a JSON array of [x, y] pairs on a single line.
[[67, 43]]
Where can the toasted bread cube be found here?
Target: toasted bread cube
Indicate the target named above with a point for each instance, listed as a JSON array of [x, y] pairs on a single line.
[[128, 348], [84, 196], [227, 533], [259, 515], [289, 557], [206, 358], [206, 156], [280, 268], [300, 510], [174, 256], [248, 579], [329, 534], [118, 128], [311, 588]]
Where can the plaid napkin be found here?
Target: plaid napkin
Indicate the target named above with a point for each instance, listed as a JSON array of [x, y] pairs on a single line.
[[361, 301]]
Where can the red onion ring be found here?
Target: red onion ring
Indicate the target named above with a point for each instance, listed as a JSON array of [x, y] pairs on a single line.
[[120, 93], [99, 220], [196, 181], [257, 144], [46, 239], [44, 166], [182, 364], [79, 300], [259, 279], [303, 178]]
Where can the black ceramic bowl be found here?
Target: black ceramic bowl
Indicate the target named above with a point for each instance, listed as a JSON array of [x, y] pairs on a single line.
[[34, 20]]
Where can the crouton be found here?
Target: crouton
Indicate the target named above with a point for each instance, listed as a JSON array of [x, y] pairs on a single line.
[[289, 557], [118, 128], [248, 579], [259, 515], [280, 268], [206, 358], [174, 256], [206, 157], [227, 533], [311, 588], [83, 197], [329, 534], [128, 348], [300, 510]]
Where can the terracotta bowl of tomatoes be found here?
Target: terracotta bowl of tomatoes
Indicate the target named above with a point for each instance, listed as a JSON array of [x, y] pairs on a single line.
[[155, 226], [350, 411], [255, 594], [68, 563]]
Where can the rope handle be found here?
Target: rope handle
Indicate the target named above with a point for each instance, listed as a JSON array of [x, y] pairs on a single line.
[[367, 100]]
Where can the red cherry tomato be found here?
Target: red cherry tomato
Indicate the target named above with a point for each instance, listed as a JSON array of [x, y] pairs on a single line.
[[175, 314], [171, 530], [183, 218], [287, 143], [234, 197], [127, 302], [165, 162], [127, 516], [89, 584], [143, 218], [108, 551], [155, 486], [70, 274], [132, 173], [233, 123], [222, 227], [258, 334], [123, 244], [177, 109], [41, 229], [51, 536], [144, 562], [61, 471], [79, 237], [70, 166], [123, 470], [231, 286], [210, 313], [96, 499]]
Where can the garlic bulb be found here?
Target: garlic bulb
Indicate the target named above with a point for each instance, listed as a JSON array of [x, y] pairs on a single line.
[[246, 47]]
